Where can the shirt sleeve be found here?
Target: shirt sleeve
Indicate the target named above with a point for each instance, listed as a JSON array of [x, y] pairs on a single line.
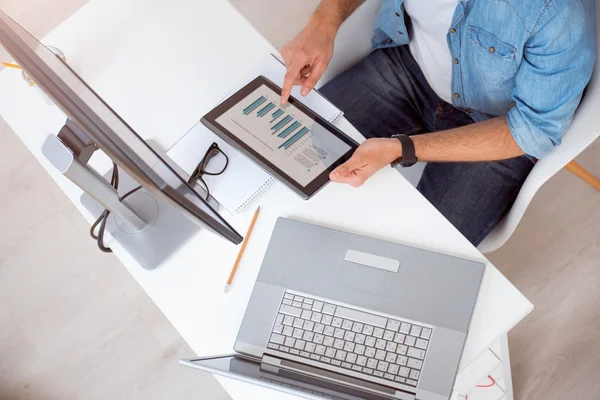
[[558, 61]]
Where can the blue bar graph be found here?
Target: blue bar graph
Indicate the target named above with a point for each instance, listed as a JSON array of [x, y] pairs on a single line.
[[281, 124], [254, 105], [277, 114], [290, 129], [287, 144], [265, 110]]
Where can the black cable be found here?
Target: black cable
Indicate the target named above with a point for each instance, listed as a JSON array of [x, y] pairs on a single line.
[[114, 182]]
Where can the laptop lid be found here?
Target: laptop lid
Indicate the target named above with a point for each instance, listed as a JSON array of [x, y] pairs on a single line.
[[253, 371]]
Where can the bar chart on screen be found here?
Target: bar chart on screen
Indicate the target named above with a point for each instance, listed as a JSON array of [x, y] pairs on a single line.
[[283, 134]]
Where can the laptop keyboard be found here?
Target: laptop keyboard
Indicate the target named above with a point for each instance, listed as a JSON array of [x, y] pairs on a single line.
[[361, 344]]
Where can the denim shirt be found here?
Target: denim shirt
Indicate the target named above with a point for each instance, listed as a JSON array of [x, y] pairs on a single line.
[[527, 59]]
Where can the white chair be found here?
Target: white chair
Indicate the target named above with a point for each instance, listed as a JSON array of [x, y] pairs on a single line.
[[354, 43]]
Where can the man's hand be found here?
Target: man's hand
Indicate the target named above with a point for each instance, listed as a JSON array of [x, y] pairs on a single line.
[[370, 157], [307, 56]]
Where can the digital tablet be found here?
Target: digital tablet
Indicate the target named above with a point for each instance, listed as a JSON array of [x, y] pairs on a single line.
[[290, 142]]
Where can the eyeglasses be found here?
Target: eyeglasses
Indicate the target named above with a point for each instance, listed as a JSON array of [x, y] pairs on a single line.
[[213, 163]]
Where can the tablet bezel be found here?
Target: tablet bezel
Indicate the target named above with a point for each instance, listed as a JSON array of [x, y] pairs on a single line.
[[306, 192]]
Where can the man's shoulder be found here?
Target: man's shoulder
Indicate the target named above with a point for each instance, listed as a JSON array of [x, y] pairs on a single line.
[[536, 13]]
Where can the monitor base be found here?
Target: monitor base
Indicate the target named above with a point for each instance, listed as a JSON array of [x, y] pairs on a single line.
[[167, 228]]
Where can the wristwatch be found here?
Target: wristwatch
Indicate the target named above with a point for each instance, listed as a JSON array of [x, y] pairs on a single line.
[[409, 155]]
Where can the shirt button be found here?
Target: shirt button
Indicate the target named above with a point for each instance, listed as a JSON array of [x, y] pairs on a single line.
[[456, 61], [492, 49], [453, 30], [467, 109], [397, 15], [457, 95]]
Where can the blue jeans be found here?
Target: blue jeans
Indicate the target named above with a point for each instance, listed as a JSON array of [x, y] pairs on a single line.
[[387, 94]]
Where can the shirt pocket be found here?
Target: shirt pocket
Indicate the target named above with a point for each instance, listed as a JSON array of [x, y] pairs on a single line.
[[493, 59]]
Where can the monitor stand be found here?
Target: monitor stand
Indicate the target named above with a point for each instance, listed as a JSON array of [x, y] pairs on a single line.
[[147, 227]]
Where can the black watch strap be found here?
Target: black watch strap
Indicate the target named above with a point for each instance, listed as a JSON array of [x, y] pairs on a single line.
[[409, 154]]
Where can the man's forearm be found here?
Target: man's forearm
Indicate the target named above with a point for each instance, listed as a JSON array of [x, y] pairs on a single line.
[[490, 140], [335, 12]]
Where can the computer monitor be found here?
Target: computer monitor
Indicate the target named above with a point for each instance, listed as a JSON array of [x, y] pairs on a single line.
[[106, 129]]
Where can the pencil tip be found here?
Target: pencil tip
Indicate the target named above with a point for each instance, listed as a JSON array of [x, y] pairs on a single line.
[[227, 288]]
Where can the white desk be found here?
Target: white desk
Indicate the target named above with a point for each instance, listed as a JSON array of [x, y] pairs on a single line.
[[161, 65]]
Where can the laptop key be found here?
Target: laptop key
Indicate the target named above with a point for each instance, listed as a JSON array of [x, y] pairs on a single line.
[[426, 333], [329, 309], [272, 346], [310, 347], [421, 344], [368, 330], [359, 349], [372, 363], [388, 376], [380, 354], [316, 317], [308, 325], [346, 365], [290, 341], [341, 355], [416, 353], [378, 333], [288, 296], [393, 325], [329, 330], [337, 322], [288, 330], [370, 341], [414, 374], [404, 372], [351, 358], [284, 349], [405, 328], [391, 358], [347, 324], [349, 335], [357, 327], [299, 344], [287, 302], [357, 368], [378, 373], [306, 314], [318, 338], [402, 349], [278, 328], [305, 354], [330, 352], [326, 360], [360, 338], [319, 328], [411, 382], [361, 360], [317, 306], [402, 360], [349, 346], [288, 320], [370, 352], [315, 357], [399, 338], [308, 336], [391, 346], [416, 364], [328, 341], [400, 379], [298, 333], [336, 362], [410, 341], [380, 344], [320, 349], [326, 319], [338, 344], [298, 323], [415, 331], [297, 304], [367, 371], [295, 351], [383, 366], [277, 338], [306, 306], [388, 335], [393, 369], [339, 333]]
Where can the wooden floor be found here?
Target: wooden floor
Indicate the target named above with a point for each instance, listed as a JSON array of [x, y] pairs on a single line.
[[75, 330]]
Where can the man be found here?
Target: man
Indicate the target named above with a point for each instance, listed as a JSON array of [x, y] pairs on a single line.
[[481, 90]]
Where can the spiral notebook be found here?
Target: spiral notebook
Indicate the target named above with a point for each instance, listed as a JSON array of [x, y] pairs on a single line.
[[243, 181]]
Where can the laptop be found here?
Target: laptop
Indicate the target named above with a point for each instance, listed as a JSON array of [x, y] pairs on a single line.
[[341, 316]]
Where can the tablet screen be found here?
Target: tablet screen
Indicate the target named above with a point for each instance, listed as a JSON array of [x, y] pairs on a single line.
[[287, 137]]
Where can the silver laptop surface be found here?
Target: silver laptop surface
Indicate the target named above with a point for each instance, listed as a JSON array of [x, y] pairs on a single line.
[[338, 315]]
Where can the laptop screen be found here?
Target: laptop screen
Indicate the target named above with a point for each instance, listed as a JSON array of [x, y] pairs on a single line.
[[279, 379]]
